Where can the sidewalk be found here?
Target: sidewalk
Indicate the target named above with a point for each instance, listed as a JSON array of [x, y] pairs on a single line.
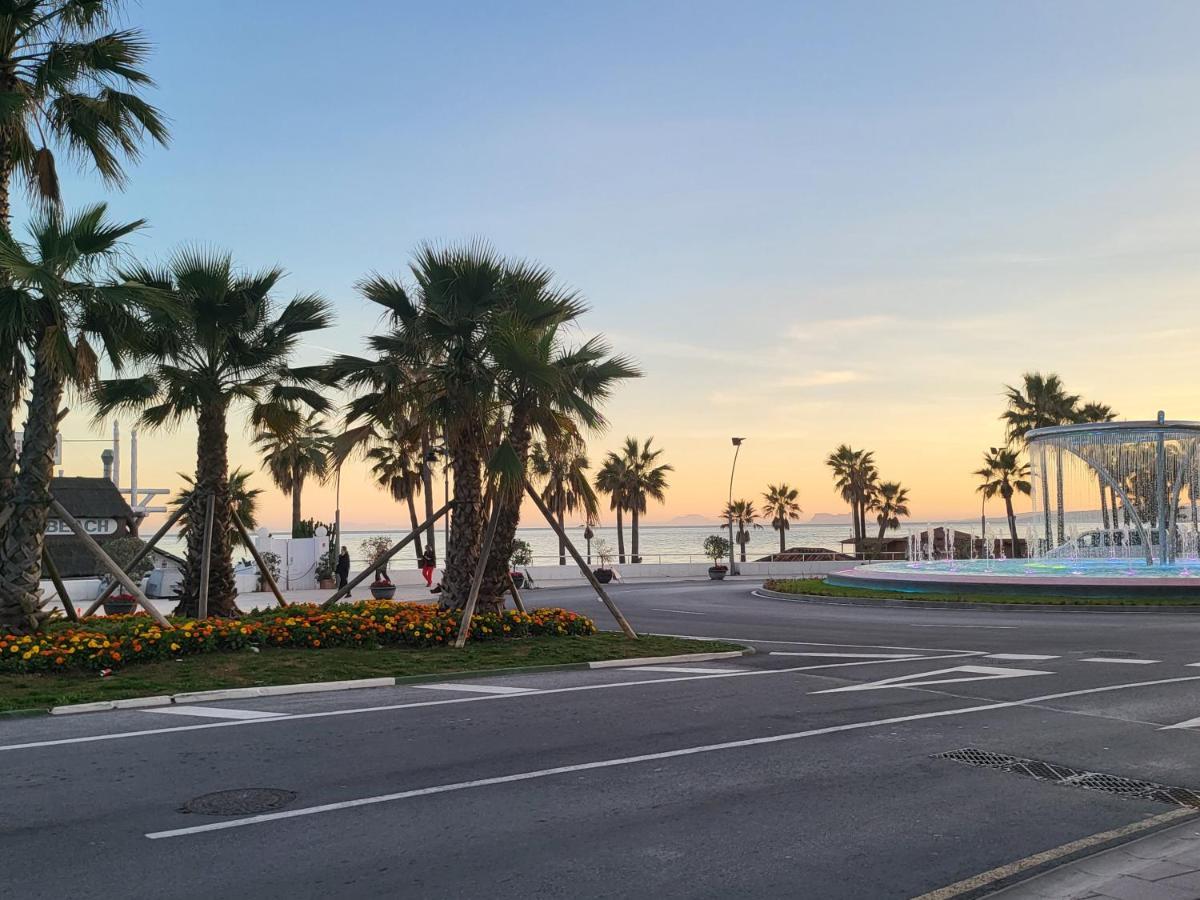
[[1162, 866]]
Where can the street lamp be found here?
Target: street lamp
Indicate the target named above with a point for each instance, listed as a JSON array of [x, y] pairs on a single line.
[[737, 446]]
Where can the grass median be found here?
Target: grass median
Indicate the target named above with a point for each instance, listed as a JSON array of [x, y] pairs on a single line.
[[272, 666], [818, 587]]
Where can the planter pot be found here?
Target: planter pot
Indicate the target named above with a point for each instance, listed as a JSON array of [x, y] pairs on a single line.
[[325, 584], [518, 579], [717, 573], [604, 576], [119, 607], [386, 592]]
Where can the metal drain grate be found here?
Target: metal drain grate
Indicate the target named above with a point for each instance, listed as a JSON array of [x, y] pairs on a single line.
[[1092, 781], [239, 802]]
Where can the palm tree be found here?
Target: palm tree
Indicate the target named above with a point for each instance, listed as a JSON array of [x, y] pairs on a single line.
[[397, 468], [1003, 473], [890, 503], [562, 464], [648, 480], [1041, 402], [68, 82], [292, 454], [230, 342], [58, 317], [1100, 412], [742, 513], [614, 479], [855, 476], [781, 508], [242, 497]]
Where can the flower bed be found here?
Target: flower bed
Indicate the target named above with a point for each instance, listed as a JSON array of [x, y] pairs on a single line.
[[120, 640]]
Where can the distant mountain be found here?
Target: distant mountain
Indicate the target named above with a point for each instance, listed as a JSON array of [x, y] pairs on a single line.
[[830, 519], [691, 519]]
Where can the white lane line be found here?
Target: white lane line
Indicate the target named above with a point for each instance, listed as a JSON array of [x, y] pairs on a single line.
[[647, 757], [1127, 662], [1020, 656], [474, 688], [355, 711], [962, 626], [696, 670], [848, 655], [686, 612], [1190, 723], [1193, 665], [920, 679], [212, 712], [749, 640]]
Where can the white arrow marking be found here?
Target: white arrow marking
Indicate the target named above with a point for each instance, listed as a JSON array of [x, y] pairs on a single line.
[[851, 655], [1190, 723], [971, 673]]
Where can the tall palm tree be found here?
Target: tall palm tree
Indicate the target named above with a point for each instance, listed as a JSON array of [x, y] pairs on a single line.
[[292, 454], [1100, 412], [230, 342], [1040, 402], [1003, 473], [743, 514], [648, 480], [855, 476], [562, 465], [59, 315], [397, 468], [614, 479], [890, 504], [69, 81], [781, 508]]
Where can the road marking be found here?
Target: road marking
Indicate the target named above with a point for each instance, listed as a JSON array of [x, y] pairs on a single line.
[[1127, 662], [686, 612], [212, 712], [920, 679], [961, 626], [749, 640], [475, 688], [355, 711], [1020, 656], [1190, 723], [684, 669], [849, 655], [647, 757]]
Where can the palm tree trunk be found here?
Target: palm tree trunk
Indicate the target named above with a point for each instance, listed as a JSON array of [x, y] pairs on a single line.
[[495, 576], [412, 516], [620, 536], [854, 516], [297, 488], [560, 506], [427, 486], [212, 479], [633, 532], [782, 540], [1012, 523], [466, 528], [24, 538], [1046, 503], [742, 543], [862, 518], [10, 393]]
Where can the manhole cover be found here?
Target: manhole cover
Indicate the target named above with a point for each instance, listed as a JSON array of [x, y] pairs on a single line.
[[239, 802]]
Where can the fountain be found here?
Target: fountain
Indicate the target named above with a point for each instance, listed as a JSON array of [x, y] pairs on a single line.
[[1148, 545]]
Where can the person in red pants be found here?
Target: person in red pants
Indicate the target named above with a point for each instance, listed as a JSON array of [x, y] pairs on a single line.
[[428, 564]]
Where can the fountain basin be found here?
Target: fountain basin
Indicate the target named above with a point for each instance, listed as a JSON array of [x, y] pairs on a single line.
[[1099, 578]]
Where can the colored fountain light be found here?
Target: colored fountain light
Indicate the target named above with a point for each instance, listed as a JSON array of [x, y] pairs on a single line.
[[1149, 545]]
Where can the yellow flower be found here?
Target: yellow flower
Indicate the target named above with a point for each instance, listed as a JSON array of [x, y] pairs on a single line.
[[174, 646]]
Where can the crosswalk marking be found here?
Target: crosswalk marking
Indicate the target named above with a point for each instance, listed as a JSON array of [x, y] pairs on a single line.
[[920, 679], [1020, 656], [475, 688], [1190, 723], [1128, 662], [211, 712]]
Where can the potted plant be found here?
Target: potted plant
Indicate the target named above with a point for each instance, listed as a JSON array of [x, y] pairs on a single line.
[[123, 550], [604, 573], [272, 561], [325, 571], [521, 555], [374, 549], [717, 548]]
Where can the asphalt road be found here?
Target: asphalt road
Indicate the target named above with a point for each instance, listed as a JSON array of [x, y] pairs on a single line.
[[806, 770]]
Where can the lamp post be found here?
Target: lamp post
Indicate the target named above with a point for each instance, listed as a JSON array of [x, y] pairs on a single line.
[[737, 446]]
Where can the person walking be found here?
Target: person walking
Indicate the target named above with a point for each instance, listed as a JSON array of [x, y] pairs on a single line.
[[428, 564], [343, 568]]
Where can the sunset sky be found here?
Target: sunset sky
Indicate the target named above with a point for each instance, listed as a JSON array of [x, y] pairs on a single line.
[[809, 223]]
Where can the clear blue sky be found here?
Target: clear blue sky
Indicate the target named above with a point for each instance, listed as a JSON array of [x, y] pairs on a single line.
[[787, 211]]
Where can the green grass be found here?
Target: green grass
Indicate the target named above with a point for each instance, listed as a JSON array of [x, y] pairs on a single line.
[[817, 587], [289, 666]]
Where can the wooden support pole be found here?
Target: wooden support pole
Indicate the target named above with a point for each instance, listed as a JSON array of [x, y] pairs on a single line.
[[489, 537], [108, 563], [56, 580], [258, 560], [382, 561], [206, 559], [141, 554], [583, 567], [512, 586]]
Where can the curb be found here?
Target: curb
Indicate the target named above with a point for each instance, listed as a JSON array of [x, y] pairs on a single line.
[[885, 602], [320, 687]]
